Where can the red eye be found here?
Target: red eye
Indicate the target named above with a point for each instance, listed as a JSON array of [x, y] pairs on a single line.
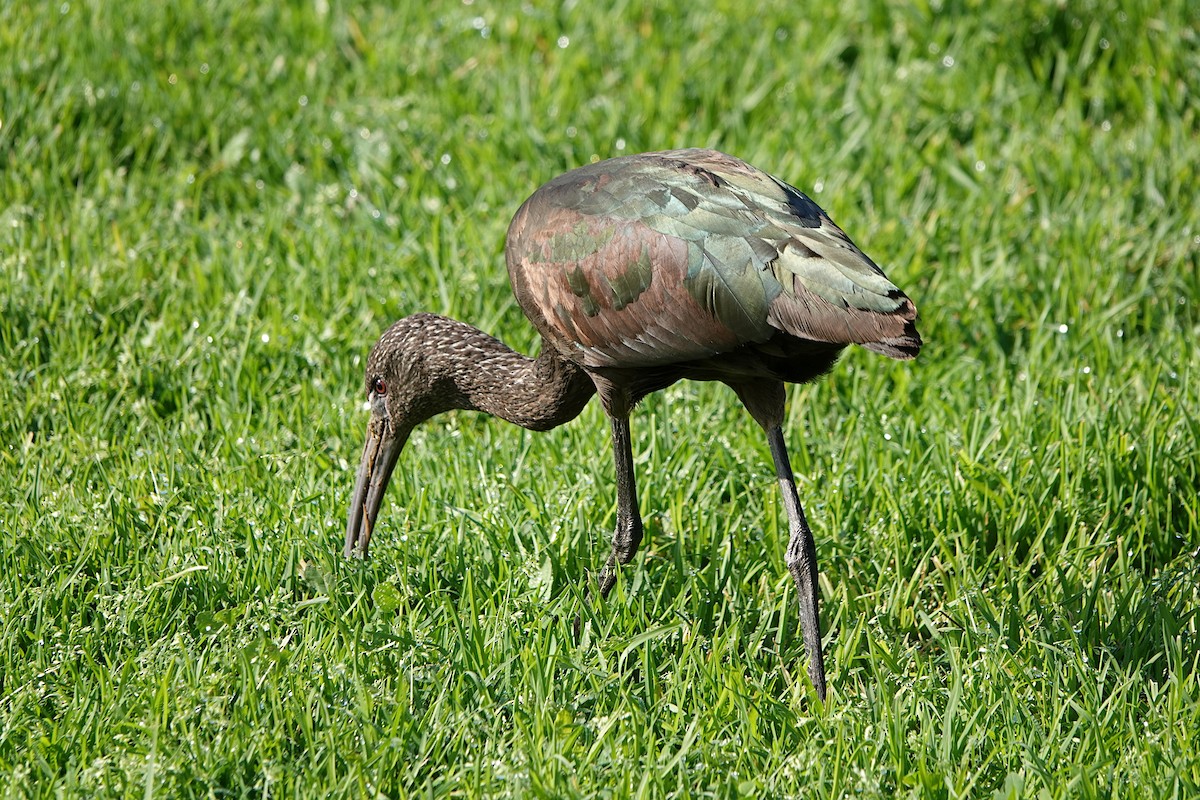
[[378, 387]]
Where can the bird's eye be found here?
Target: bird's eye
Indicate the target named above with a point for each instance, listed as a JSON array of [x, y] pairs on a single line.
[[378, 387]]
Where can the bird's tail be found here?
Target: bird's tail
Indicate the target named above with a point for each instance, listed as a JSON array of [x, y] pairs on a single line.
[[905, 342]]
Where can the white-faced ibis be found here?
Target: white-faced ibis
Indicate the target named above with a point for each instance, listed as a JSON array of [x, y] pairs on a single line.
[[639, 271]]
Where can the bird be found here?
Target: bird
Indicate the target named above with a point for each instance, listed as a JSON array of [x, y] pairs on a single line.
[[639, 271]]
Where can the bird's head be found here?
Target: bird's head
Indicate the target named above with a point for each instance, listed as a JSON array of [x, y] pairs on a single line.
[[405, 386]]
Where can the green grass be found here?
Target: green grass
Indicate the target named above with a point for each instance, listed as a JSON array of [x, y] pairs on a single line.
[[208, 211]]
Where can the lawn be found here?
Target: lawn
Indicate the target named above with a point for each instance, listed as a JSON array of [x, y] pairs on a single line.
[[208, 213]]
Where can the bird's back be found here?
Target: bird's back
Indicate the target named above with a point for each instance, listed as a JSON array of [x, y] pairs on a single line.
[[683, 256]]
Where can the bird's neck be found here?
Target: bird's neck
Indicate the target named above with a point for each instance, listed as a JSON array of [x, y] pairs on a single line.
[[536, 393]]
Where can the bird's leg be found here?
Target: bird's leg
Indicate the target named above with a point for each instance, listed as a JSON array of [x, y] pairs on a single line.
[[801, 560], [765, 400], [628, 534]]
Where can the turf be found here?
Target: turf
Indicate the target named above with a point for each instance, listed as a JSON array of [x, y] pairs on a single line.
[[208, 211]]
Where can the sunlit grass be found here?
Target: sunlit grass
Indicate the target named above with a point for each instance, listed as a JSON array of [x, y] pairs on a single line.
[[209, 211]]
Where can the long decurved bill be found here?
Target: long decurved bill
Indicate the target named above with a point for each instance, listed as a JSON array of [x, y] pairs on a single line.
[[380, 453]]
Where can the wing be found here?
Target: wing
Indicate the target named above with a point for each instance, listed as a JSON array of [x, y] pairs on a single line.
[[682, 255]]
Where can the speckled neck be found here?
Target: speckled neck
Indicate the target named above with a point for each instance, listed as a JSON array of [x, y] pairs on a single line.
[[536, 393]]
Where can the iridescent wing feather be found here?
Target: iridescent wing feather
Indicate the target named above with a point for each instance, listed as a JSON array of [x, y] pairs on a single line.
[[682, 255]]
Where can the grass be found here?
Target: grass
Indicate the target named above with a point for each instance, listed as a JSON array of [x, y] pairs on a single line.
[[209, 210]]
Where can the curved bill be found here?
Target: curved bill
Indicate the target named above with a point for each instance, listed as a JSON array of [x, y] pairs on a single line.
[[380, 453]]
